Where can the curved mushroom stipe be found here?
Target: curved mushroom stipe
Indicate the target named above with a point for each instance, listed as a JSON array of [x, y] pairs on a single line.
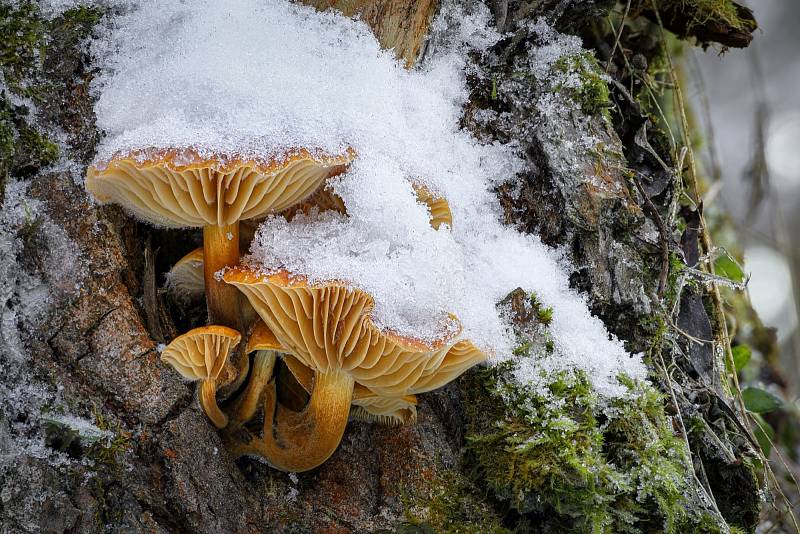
[[296, 442], [179, 188], [203, 354], [208, 401], [263, 342]]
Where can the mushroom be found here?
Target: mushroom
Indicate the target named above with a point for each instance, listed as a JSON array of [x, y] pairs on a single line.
[[327, 327], [327, 200], [185, 188], [202, 354], [185, 279], [438, 205], [263, 342], [388, 411]]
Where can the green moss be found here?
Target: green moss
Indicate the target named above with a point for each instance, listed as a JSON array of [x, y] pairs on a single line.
[[592, 94], [106, 453], [706, 12], [31, 70], [448, 504], [618, 468], [23, 42], [23, 149]]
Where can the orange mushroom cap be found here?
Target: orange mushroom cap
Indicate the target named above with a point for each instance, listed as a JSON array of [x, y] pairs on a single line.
[[328, 326]]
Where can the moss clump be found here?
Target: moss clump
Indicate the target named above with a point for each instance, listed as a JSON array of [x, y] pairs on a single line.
[[448, 504], [23, 43], [557, 453], [592, 91]]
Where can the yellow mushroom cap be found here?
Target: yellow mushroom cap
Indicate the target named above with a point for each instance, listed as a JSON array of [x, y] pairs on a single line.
[[182, 188], [201, 353], [185, 279], [328, 327]]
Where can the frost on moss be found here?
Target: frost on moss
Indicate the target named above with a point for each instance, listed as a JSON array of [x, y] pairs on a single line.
[[559, 452], [448, 503], [36, 77], [592, 91]]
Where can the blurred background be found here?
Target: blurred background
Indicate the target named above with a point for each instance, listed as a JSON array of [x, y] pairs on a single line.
[[748, 103]]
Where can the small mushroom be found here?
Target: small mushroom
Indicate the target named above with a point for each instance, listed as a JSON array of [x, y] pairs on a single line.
[[327, 200], [327, 327], [202, 354], [388, 411], [185, 279], [184, 188]]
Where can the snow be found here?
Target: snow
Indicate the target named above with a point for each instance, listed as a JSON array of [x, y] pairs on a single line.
[[258, 77], [27, 301], [87, 430]]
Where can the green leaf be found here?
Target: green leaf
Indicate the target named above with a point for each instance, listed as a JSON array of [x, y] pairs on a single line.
[[764, 434], [741, 355], [760, 401], [727, 267]]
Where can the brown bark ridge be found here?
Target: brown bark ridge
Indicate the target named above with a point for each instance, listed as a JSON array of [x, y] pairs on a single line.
[[399, 25]]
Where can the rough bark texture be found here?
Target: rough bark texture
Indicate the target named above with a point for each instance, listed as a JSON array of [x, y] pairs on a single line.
[[79, 328]]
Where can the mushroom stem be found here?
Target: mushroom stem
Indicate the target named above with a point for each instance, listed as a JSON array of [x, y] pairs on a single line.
[[208, 401], [220, 250], [303, 441], [246, 405]]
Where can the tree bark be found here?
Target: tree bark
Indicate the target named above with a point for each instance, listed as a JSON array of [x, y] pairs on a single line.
[[77, 310]]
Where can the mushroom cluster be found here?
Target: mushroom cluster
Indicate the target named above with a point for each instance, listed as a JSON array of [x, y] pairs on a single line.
[[339, 363]]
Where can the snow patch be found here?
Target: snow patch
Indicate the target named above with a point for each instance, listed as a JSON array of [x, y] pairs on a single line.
[[254, 78]]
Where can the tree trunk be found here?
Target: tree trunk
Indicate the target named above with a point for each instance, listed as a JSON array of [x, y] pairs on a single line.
[[80, 324]]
